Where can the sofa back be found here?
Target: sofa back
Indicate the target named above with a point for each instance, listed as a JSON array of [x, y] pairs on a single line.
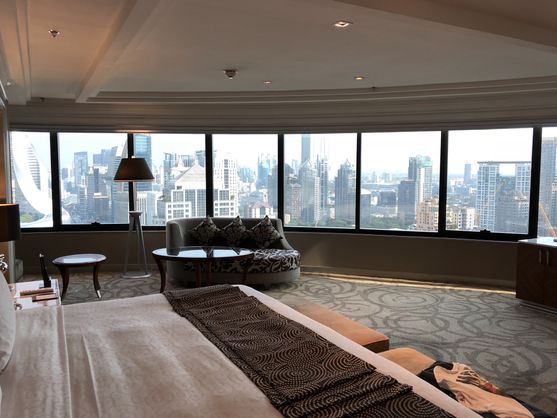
[[177, 229]]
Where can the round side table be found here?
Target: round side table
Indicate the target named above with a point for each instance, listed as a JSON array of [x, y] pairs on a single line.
[[66, 262]]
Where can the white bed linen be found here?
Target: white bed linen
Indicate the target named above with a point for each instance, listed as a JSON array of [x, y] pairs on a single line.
[[137, 358]]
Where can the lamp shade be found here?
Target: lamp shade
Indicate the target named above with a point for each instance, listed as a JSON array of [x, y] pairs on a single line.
[[133, 169], [9, 222]]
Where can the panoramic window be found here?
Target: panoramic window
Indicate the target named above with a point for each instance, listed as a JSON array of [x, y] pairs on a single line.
[[488, 184], [547, 212], [320, 180], [177, 162], [245, 175], [88, 193], [400, 181], [31, 178]]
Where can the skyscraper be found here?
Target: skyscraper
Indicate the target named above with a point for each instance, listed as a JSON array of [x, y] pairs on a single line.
[[345, 193], [467, 174], [80, 166], [310, 194], [142, 149], [306, 147], [547, 218]]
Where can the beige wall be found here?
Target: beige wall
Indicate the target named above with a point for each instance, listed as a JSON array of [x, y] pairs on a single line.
[[435, 259]]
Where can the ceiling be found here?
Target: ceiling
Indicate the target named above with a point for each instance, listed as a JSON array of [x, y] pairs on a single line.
[[175, 51]]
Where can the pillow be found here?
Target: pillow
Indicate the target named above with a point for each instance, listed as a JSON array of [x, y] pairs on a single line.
[[235, 232], [7, 323], [205, 232], [264, 233]]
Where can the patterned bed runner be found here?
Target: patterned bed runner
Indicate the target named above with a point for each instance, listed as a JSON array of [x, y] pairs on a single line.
[[300, 372]]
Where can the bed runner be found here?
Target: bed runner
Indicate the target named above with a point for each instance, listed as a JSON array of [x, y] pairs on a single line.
[[301, 373]]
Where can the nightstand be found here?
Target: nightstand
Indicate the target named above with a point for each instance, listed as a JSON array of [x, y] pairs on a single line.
[[26, 302]]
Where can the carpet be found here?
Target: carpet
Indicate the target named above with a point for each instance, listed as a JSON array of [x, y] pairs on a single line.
[[513, 346]]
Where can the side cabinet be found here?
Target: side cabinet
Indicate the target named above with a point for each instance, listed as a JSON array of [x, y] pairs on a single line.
[[536, 276]]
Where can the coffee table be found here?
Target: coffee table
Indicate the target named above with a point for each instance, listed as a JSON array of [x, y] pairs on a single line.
[[200, 256], [66, 262]]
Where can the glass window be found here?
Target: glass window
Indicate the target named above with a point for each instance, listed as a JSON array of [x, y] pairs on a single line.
[[547, 213], [320, 180], [488, 184], [245, 175], [88, 162], [400, 181], [31, 177], [178, 165]]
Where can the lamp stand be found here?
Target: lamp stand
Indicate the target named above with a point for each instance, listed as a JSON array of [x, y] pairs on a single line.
[[136, 229]]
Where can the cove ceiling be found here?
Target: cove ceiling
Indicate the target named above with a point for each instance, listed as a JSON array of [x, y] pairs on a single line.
[[175, 51]]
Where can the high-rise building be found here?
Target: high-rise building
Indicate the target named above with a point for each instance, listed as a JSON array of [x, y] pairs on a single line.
[[322, 169], [467, 174], [80, 166], [345, 193], [142, 149], [306, 147], [310, 194], [547, 219], [225, 186], [187, 199], [420, 170], [502, 202]]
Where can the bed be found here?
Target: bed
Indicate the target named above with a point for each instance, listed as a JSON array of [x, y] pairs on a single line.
[[138, 358]]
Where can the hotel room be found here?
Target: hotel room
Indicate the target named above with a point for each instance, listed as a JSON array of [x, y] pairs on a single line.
[[411, 140]]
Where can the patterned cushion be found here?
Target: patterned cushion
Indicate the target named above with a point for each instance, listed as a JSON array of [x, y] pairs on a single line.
[[205, 232], [235, 232], [265, 260], [264, 233]]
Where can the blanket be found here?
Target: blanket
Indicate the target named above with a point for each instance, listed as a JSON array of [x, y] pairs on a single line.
[[300, 372]]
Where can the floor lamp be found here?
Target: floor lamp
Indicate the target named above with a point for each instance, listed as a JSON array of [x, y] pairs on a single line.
[[9, 229], [135, 170]]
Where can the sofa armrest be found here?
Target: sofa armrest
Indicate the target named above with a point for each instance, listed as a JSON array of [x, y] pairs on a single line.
[[282, 244], [174, 235]]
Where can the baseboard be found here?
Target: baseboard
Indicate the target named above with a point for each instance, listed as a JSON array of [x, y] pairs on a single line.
[[436, 278]]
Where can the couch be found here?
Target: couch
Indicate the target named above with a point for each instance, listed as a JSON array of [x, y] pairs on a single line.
[[278, 263]]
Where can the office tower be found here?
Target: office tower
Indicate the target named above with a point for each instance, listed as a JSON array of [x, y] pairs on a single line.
[[345, 193], [187, 199], [306, 147], [488, 174], [272, 188], [200, 157], [420, 170], [502, 202], [142, 149], [322, 169], [265, 164], [80, 166], [310, 194], [225, 186], [427, 215], [365, 207], [547, 219], [467, 174], [407, 201]]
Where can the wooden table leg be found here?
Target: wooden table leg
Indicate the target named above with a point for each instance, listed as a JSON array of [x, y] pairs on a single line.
[[197, 266], [65, 273], [162, 272], [96, 279]]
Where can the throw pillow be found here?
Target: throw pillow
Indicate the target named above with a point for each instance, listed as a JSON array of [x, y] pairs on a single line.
[[205, 232], [264, 233], [235, 232], [7, 323]]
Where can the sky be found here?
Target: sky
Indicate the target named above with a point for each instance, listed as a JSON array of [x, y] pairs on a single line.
[[380, 151]]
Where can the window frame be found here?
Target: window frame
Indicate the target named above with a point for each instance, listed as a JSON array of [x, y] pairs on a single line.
[[442, 232]]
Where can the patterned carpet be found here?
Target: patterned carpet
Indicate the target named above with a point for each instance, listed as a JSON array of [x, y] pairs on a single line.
[[515, 347]]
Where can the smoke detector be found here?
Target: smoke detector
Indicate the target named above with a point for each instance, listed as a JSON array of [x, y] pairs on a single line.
[[230, 73], [54, 33]]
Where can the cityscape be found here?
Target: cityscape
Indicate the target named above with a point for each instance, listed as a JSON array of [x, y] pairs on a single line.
[[490, 195]]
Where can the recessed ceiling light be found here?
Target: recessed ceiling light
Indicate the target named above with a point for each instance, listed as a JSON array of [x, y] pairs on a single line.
[[54, 33], [267, 82], [342, 24], [9, 83], [359, 78]]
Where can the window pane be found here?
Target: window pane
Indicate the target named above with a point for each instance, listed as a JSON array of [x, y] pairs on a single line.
[[547, 213], [31, 178], [88, 193], [489, 180], [245, 175], [400, 181], [320, 180], [178, 164]]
